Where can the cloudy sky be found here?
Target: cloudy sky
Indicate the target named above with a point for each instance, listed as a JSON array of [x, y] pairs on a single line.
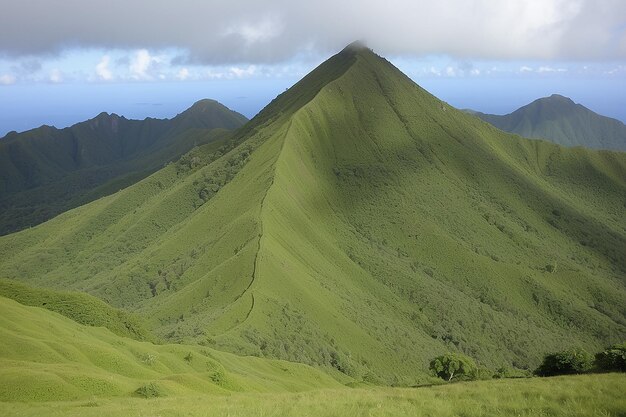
[[64, 61]]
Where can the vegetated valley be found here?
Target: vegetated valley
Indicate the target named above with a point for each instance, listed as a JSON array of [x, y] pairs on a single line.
[[354, 244]]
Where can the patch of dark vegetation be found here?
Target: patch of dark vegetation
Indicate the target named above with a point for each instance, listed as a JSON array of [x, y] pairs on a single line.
[[150, 390]]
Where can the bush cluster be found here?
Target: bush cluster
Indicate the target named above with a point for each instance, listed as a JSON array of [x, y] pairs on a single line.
[[578, 361], [455, 366]]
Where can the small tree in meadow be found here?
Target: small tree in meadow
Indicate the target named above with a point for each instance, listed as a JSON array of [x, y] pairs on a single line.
[[453, 365], [612, 359]]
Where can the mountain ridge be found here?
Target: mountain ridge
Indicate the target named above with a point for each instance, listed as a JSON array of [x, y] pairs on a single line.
[[559, 119], [47, 170]]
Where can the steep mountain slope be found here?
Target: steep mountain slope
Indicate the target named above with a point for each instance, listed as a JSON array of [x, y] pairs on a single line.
[[46, 171], [47, 357], [357, 223], [560, 120]]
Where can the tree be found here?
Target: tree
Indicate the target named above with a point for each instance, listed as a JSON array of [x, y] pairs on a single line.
[[612, 359], [571, 361], [453, 365]]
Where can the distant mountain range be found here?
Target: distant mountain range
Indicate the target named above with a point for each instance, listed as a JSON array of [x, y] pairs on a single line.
[[357, 224], [46, 171], [560, 120]]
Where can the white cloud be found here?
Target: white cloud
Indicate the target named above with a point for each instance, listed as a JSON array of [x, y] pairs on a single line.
[[525, 68], [7, 79], [432, 70], [56, 76], [545, 69], [145, 66], [254, 32], [140, 64], [246, 72], [183, 74], [102, 69]]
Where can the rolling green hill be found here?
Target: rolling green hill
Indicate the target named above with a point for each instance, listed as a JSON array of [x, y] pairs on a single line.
[[46, 171], [52, 366], [45, 356], [80, 307], [560, 120], [360, 225]]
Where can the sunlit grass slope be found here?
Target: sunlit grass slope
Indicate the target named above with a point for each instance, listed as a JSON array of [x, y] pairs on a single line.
[[572, 396], [45, 356], [78, 306], [360, 225]]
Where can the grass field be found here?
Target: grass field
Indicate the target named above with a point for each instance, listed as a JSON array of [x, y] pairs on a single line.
[[53, 366], [584, 396], [45, 356]]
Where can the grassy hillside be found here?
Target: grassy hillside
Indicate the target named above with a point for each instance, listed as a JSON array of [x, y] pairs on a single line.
[[45, 356], [360, 225], [79, 307], [46, 171], [560, 120], [573, 396]]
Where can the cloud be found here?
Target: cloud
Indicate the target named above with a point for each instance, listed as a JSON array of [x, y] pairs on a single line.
[[550, 69], [7, 79], [268, 28], [102, 69], [144, 66], [56, 76], [253, 32], [183, 74], [243, 72], [140, 64], [27, 66]]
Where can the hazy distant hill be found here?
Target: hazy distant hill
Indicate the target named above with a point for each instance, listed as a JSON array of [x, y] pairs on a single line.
[[360, 225], [46, 171], [560, 120]]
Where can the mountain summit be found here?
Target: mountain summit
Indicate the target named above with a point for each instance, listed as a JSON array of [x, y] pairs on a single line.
[[560, 120], [361, 225]]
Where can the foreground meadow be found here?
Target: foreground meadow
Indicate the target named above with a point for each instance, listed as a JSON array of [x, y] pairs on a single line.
[[583, 395]]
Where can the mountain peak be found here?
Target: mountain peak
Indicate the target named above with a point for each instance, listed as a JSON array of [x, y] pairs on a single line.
[[356, 47], [559, 98], [203, 105], [561, 120]]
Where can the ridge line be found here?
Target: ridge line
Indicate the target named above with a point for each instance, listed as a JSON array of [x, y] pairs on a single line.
[[256, 256], [280, 152]]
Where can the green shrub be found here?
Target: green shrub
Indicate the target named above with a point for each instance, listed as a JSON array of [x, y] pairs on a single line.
[[150, 390], [571, 361], [551, 267], [149, 358], [506, 372], [453, 365], [612, 359]]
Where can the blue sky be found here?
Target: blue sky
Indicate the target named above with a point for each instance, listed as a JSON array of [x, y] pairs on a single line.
[[144, 58]]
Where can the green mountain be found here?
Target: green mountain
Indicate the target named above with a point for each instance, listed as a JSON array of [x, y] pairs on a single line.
[[560, 120], [357, 224], [46, 171]]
